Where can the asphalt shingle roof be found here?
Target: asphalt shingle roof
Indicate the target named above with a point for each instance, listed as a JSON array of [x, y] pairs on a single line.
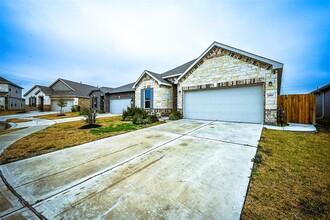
[[178, 70], [80, 89], [124, 88], [6, 81], [45, 89]]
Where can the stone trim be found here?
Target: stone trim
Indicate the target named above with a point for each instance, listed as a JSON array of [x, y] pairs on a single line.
[[218, 52], [160, 111], [225, 84]]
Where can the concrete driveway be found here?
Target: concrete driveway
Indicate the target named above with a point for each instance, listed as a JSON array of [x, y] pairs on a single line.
[[179, 170]]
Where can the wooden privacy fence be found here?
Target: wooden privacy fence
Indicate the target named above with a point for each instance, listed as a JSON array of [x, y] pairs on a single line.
[[298, 108]]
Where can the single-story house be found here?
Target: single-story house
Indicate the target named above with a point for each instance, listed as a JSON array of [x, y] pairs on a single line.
[[322, 101], [223, 83], [46, 98], [112, 100], [10, 95]]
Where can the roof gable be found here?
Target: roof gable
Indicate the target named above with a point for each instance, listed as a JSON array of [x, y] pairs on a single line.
[[76, 89], [218, 49], [60, 85], [155, 76]]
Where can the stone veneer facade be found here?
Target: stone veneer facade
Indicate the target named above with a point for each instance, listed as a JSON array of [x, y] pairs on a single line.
[[83, 103], [163, 103], [223, 71]]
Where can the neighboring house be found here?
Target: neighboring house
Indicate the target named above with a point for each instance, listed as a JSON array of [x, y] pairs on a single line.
[[322, 101], [223, 83], [10, 95], [112, 100], [46, 98]]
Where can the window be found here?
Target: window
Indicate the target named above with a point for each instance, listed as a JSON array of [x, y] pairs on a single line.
[[146, 101], [94, 101], [147, 98], [33, 101]]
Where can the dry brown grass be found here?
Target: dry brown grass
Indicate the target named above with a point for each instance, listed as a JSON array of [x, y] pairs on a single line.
[[55, 115], [12, 112], [17, 120], [7, 131], [64, 135], [292, 181]]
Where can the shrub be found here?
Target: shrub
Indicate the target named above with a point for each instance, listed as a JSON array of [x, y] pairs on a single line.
[[134, 111], [90, 118], [73, 109], [137, 119], [128, 118], [84, 111], [175, 116], [151, 119]]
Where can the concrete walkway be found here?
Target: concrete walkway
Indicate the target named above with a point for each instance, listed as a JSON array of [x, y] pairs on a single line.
[[294, 127], [38, 121], [26, 115], [185, 169]]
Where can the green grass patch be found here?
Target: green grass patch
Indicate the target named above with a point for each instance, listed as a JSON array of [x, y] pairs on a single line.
[[290, 179], [114, 128]]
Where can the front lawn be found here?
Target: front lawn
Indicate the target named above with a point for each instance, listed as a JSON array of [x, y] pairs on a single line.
[[12, 112], [292, 181], [58, 115], [63, 135], [17, 120]]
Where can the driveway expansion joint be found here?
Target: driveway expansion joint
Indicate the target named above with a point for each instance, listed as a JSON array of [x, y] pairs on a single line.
[[20, 198]]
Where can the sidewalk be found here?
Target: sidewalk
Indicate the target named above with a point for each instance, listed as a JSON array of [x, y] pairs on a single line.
[[294, 127], [25, 115]]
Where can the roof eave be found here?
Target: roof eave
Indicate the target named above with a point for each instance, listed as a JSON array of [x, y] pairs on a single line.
[[170, 76]]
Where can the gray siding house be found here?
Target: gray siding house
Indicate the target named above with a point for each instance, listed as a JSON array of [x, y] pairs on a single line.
[[112, 100], [10, 95], [322, 101]]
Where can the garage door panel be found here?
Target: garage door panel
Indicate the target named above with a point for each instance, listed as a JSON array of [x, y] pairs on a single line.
[[118, 105], [244, 104]]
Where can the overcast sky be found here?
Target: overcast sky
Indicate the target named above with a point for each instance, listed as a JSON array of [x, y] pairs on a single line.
[[110, 43]]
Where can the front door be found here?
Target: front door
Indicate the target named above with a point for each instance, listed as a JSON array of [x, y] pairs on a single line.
[[41, 105]]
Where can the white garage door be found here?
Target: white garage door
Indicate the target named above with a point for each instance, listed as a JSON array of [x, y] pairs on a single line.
[[118, 105], [243, 104], [55, 107]]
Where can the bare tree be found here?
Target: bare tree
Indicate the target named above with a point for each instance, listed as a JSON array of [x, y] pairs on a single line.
[[62, 103]]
